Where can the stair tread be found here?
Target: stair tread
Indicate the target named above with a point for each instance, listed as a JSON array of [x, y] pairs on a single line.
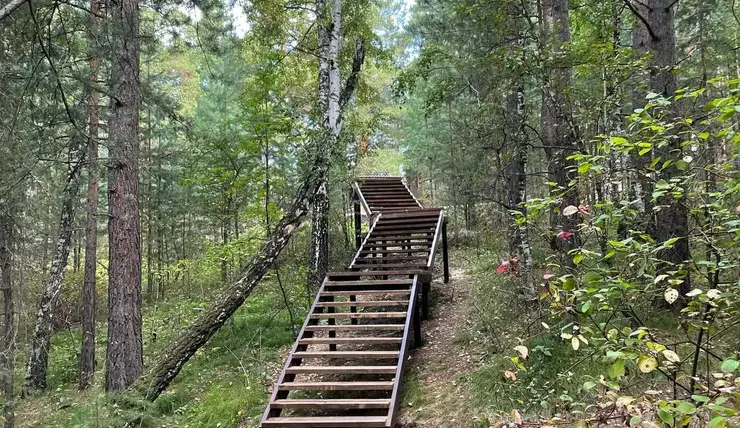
[[357, 315], [345, 354], [342, 369], [358, 327], [326, 421], [362, 403], [347, 386], [363, 304], [364, 292]]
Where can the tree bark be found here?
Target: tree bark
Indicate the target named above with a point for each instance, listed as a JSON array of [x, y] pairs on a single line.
[[328, 33], [7, 356], [38, 359], [672, 219], [557, 129], [89, 295], [124, 361]]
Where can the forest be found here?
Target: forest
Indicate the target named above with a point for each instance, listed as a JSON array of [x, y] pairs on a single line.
[[179, 181]]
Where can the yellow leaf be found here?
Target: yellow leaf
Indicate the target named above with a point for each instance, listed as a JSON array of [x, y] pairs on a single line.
[[646, 363]]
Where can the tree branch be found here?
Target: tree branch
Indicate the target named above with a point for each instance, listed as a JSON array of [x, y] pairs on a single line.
[[349, 86], [642, 19], [10, 7]]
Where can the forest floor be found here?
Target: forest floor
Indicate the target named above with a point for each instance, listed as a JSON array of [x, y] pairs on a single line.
[[435, 394]]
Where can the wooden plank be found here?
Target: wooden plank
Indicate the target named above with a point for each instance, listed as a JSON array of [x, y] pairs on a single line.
[[435, 242], [337, 386], [325, 422], [409, 231], [412, 246], [359, 327], [398, 251], [359, 315], [420, 239], [338, 404], [365, 292], [384, 259], [398, 385], [390, 266], [370, 282], [364, 304], [345, 340], [402, 228], [409, 272]]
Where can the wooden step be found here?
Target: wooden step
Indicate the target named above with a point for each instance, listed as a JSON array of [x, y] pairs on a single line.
[[358, 315], [409, 231], [338, 404], [364, 292], [412, 239], [409, 272], [372, 260], [359, 327], [337, 386], [389, 266], [326, 422], [302, 369], [394, 251], [370, 282], [350, 340], [370, 303], [346, 354]]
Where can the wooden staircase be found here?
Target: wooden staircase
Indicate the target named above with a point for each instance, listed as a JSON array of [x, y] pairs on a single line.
[[346, 367]]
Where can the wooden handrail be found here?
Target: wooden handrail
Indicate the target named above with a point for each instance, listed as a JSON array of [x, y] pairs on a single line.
[[396, 395], [411, 193], [435, 241], [363, 202], [364, 241]]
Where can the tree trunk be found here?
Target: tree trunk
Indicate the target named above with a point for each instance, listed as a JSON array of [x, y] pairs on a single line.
[[557, 129], [7, 356], [328, 33], [88, 297], [124, 354], [672, 219], [38, 359]]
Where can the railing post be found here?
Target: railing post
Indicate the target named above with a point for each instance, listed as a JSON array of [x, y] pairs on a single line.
[[425, 288], [445, 254], [417, 325]]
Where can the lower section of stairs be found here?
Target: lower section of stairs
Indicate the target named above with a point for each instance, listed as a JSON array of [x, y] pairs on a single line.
[[346, 367]]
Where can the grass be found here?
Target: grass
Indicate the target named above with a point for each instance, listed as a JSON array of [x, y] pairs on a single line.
[[224, 385]]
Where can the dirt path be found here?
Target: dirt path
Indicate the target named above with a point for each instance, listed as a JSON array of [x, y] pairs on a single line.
[[436, 395]]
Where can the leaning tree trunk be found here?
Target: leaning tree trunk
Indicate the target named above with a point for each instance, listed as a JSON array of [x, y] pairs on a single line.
[[7, 353], [38, 358], [211, 320], [124, 362]]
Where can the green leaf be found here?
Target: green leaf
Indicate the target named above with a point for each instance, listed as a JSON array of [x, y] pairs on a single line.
[[618, 140], [586, 306], [686, 408], [584, 168], [578, 258], [718, 422], [700, 398], [666, 416], [616, 370], [729, 366], [588, 385]]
